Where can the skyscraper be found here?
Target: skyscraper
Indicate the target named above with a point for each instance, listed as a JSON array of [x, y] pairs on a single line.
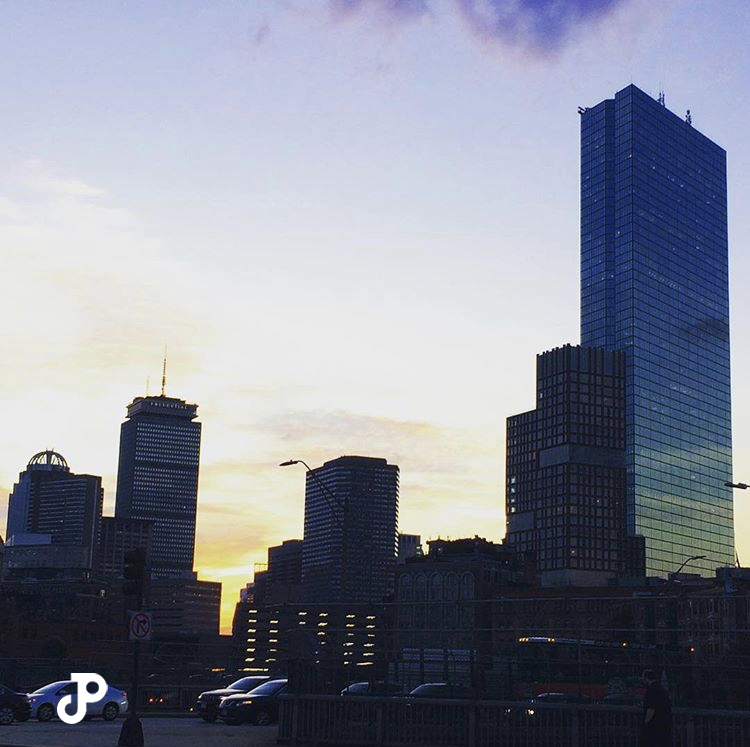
[[50, 505], [654, 284], [350, 542], [157, 478], [566, 484]]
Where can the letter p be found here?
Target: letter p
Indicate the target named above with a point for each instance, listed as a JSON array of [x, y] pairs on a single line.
[[82, 680]]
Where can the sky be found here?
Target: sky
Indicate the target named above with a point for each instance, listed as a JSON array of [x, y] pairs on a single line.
[[354, 223]]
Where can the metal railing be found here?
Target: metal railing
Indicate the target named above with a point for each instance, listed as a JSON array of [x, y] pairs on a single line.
[[402, 722]]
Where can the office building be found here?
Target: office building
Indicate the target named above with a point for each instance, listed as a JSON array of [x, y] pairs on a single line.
[[282, 637], [53, 508], [157, 478], [565, 471], [184, 607], [284, 570], [119, 536], [654, 284], [441, 620], [409, 546], [350, 538]]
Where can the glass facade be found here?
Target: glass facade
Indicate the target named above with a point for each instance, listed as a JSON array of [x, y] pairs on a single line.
[[157, 478], [654, 284]]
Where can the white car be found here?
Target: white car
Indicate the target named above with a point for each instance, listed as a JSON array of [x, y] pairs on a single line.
[[44, 701]]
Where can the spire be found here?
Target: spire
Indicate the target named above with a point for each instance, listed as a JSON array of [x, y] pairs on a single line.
[[164, 372]]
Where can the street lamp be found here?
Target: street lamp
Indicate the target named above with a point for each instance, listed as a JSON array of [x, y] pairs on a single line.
[[686, 561], [341, 513], [738, 485], [330, 498]]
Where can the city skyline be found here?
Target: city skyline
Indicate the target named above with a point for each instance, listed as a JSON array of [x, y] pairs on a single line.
[[390, 194]]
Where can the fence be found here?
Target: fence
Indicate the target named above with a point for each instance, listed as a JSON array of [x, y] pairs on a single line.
[[398, 722]]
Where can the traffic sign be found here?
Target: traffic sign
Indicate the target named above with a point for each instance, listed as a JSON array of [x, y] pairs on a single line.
[[140, 626]]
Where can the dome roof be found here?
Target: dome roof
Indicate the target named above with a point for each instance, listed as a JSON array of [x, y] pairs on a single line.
[[49, 459]]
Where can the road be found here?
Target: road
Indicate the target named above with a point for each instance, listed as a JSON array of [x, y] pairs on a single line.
[[158, 732]]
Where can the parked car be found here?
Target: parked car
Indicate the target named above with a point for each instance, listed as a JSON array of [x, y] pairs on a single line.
[[207, 705], [44, 701], [259, 706], [373, 688], [13, 706], [441, 690]]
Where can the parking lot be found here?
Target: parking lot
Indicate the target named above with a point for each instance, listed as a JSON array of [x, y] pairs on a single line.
[[158, 732]]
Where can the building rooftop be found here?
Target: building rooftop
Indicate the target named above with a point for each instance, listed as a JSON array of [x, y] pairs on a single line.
[[48, 460], [162, 405]]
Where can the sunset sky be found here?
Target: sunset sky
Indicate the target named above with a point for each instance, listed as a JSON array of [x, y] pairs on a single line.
[[353, 222]]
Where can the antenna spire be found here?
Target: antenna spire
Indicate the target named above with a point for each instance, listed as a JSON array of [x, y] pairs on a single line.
[[148, 386], [164, 372]]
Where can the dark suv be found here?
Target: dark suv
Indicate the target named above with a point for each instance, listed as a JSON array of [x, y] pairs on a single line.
[[207, 705], [13, 706]]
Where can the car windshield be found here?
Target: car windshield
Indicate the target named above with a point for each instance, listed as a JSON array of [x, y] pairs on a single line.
[[356, 688], [245, 683], [269, 688], [52, 686]]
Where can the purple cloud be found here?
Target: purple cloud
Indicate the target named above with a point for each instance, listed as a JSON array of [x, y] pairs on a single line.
[[399, 9], [543, 26], [540, 26]]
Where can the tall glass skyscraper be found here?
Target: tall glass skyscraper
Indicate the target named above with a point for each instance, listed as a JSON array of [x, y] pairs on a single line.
[[157, 478], [654, 284]]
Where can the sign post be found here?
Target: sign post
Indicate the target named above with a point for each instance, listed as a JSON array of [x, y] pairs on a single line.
[[139, 629]]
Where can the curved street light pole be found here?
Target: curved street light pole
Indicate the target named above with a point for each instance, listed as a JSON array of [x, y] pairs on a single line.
[[736, 486], [330, 498], [686, 561], [341, 520], [334, 504]]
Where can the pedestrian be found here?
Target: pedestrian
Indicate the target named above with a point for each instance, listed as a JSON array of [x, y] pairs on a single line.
[[656, 729]]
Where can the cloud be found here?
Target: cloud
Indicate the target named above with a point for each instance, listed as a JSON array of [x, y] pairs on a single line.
[[396, 9], [260, 33], [425, 447], [541, 27], [36, 177]]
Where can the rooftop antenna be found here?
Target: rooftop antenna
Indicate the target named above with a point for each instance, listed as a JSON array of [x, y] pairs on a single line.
[[688, 118], [164, 372], [148, 386], [662, 97]]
